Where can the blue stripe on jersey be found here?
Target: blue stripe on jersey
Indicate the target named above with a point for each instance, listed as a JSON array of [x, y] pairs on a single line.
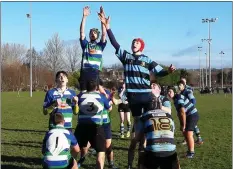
[[139, 90], [88, 65], [137, 80], [157, 69], [56, 164], [136, 71], [161, 148], [65, 111], [99, 56], [182, 101]]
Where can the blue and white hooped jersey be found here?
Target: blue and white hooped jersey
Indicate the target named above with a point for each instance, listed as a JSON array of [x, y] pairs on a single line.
[[66, 106], [91, 106], [56, 147], [159, 130]]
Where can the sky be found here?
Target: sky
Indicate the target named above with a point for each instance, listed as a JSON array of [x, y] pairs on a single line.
[[172, 31]]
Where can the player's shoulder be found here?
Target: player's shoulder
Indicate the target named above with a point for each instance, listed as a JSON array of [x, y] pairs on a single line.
[[71, 91]]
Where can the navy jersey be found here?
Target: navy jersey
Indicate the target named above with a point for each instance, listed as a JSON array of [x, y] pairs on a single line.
[[181, 101], [189, 94], [137, 71], [165, 101]]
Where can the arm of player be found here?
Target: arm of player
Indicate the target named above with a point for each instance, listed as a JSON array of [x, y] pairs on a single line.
[[74, 145], [159, 71], [49, 104], [86, 12], [75, 107], [182, 118], [166, 106], [103, 28], [121, 54], [44, 144], [191, 97]]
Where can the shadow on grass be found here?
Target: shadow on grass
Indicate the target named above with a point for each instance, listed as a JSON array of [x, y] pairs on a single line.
[[120, 148], [9, 166], [22, 145], [24, 130], [89, 166], [25, 160]]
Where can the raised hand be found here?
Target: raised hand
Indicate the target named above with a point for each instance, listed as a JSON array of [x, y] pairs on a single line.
[[86, 11], [172, 68]]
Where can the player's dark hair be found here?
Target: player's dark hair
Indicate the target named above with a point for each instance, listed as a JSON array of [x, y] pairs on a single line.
[[91, 85], [58, 118], [101, 82], [63, 72], [181, 82]]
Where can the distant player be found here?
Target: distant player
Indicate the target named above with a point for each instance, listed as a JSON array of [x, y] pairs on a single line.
[[90, 121], [124, 111], [61, 99], [92, 60], [188, 117], [188, 93], [60, 147]]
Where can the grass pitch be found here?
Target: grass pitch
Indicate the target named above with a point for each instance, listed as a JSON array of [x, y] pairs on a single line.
[[23, 127]]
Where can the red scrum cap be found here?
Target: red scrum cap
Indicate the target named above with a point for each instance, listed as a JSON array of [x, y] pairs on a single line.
[[142, 43]]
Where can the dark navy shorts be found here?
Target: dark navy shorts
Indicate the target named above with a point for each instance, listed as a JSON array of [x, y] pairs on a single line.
[[123, 108], [87, 75], [139, 102], [107, 130], [191, 122]]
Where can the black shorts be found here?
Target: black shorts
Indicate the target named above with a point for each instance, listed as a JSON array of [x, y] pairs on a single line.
[[139, 102], [87, 75], [94, 134], [107, 131], [191, 122], [123, 108], [71, 164], [151, 161]]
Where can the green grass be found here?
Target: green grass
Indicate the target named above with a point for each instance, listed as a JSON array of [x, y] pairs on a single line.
[[24, 125]]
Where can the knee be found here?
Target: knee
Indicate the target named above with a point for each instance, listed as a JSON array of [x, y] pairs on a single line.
[[109, 149]]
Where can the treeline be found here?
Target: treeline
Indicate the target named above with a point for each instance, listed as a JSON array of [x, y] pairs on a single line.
[[56, 55]]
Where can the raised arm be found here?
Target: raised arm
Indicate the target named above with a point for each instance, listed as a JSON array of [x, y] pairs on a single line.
[[159, 71], [106, 23], [86, 12], [103, 28]]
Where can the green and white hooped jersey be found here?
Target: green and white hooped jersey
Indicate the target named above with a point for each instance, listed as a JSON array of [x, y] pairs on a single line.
[[56, 147]]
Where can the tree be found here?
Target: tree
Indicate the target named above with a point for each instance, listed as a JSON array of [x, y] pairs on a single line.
[[12, 53], [53, 54], [73, 54], [219, 77]]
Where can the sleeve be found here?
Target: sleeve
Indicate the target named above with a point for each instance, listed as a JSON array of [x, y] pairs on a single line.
[[48, 101], [166, 103], [121, 54], [157, 69], [73, 140], [180, 102], [102, 44], [113, 39], [83, 43], [107, 104], [191, 97], [44, 143]]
